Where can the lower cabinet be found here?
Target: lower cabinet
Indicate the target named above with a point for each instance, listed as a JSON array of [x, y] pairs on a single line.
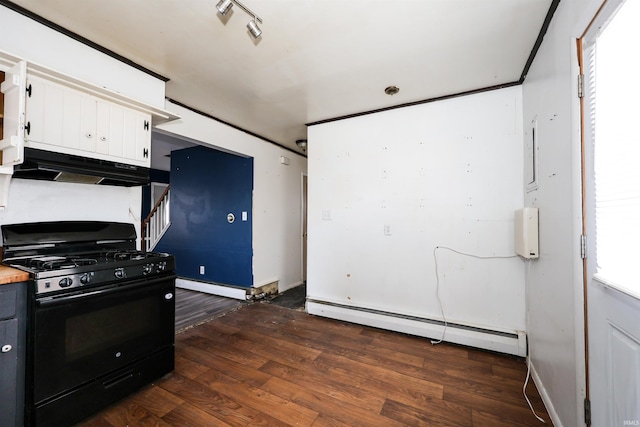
[[12, 353]]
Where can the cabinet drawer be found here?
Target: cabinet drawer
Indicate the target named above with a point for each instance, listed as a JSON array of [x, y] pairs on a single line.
[[8, 301]]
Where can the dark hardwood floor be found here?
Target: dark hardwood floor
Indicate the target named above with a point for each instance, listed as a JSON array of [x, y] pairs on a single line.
[[265, 365]]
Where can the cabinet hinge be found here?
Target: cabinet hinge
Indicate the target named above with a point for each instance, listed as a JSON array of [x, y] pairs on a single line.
[[145, 153], [146, 125], [587, 411], [28, 90], [583, 246], [580, 85]]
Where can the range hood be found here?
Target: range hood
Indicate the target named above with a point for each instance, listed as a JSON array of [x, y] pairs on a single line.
[[51, 166]]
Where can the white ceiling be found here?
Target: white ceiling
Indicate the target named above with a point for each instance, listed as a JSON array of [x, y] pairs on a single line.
[[316, 59]]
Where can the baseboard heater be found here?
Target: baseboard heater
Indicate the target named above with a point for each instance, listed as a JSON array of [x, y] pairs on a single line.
[[510, 342]]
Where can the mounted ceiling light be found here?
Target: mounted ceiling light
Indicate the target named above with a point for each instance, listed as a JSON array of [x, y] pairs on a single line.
[[224, 6], [391, 90], [254, 29]]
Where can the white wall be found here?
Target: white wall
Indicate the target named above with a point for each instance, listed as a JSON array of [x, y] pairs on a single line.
[[46, 201], [27, 39], [33, 201], [447, 173], [277, 195], [554, 289]]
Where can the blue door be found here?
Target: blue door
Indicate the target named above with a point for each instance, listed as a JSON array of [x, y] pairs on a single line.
[[211, 201]]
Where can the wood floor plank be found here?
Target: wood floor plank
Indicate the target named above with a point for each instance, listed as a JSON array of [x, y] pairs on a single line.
[[330, 406], [439, 413], [131, 414], [156, 400], [514, 413], [515, 374], [213, 402], [191, 415], [454, 375], [324, 421], [235, 370], [244, 358], [345, 392], [254, 397], [482, 419], [390, 384], [189, 368], [193, 307], [414, 345], [272, 366]]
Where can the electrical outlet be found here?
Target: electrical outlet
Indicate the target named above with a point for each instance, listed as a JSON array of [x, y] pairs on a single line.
[[202, 269], [387, 230]]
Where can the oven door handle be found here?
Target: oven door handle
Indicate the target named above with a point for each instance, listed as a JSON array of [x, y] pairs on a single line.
[[62, 299]]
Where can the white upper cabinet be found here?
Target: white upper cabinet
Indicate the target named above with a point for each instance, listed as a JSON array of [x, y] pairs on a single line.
[[65, 119]]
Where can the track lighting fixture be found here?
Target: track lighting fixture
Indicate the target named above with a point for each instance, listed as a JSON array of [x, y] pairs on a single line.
[[254, 29], [224, 6]]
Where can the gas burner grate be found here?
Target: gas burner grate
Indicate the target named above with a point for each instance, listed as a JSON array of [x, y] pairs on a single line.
[[125, 255], [57, 263]]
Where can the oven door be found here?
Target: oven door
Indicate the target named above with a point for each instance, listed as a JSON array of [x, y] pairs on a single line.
[[78, 338]]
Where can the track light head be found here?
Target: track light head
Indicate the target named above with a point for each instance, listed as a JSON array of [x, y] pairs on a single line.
[[224, 6], [254, 30]]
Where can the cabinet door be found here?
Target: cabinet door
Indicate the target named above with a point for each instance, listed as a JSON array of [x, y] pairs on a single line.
[[137, 137], [8, 372], [143, 139], [60, 117], [106, 134], [71, 121], [14, 87], [44, 112]]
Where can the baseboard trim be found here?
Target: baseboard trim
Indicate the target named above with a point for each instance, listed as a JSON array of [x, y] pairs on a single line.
[[548, 404], [212, 288], [494, 340]]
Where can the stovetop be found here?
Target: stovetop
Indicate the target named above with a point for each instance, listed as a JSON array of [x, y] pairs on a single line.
[[71, 255], [50, 273], [69, 263]]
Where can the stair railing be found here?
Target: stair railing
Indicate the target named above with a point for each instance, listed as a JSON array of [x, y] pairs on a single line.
[[156, 223]]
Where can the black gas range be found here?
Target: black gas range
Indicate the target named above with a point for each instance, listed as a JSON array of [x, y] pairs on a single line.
[[64, 257], [100, 315]]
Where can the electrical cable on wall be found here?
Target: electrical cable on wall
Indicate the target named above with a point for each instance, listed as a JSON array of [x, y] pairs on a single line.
[[444, 319], [526, 381], [435, 258]]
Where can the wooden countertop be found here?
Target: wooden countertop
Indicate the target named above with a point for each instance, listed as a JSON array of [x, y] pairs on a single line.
[[12, 275]]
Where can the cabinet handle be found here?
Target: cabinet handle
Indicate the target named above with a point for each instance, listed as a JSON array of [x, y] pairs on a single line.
[[145, 153], [89, 135], [146, 125], [28, 90], [28, 128], [103, 138], [6, 348]]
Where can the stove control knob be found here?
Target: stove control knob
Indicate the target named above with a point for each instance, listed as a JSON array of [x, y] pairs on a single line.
[[119, 273], [147, 268], [86, 278], [162, 265], [65, 282]]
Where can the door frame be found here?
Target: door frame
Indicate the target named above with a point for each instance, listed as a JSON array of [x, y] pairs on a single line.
[[598, 296]]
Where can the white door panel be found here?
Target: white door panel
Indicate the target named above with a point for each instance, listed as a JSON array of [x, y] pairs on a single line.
[[613, 314]]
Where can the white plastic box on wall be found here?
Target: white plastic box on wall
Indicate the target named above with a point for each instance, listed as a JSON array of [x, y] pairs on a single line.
[[526, 232]]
